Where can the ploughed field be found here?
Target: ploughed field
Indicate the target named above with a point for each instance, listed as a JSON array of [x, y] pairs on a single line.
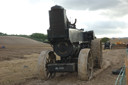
[[19, 58]]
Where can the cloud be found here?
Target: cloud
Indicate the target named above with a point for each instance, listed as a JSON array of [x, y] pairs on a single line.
[[29, 16], [88, 4], [107, 27], [24, 17], [34, 1], [109, 24], [118, 11], [115, 8]]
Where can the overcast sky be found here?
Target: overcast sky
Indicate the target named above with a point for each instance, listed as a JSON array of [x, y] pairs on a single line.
[[108, 18]]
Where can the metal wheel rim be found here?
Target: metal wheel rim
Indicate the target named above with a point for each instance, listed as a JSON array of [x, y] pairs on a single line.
[[90, 65]]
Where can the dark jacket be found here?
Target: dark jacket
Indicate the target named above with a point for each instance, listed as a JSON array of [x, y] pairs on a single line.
[[126, 45]]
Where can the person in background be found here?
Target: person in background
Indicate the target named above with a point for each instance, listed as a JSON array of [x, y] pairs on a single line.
[[127, 46]]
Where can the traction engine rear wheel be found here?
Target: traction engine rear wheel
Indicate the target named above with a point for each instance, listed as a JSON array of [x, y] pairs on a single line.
[[46, 57], [85, 65], [96, 49]]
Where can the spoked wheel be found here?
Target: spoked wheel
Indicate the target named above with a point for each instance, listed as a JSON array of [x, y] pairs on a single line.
[[46, 57], [96, 49], [85, 65]]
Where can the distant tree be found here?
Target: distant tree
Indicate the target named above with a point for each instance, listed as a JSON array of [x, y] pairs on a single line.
[[105, 39], [39, 36], [27, 36], [2, 34]]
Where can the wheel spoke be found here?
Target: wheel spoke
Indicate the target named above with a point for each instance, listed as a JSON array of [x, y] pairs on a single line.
[[48, 57]]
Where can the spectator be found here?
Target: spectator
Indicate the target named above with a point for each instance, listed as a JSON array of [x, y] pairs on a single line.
[[127, 45]]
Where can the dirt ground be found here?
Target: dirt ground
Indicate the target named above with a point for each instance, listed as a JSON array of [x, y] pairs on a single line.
[[18, 66], [116, 58]]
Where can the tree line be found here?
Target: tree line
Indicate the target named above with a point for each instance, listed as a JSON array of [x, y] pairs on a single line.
[[42, 37], [36, 36]]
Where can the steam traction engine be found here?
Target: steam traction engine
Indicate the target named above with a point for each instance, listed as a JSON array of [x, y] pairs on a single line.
[[78, 50]]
